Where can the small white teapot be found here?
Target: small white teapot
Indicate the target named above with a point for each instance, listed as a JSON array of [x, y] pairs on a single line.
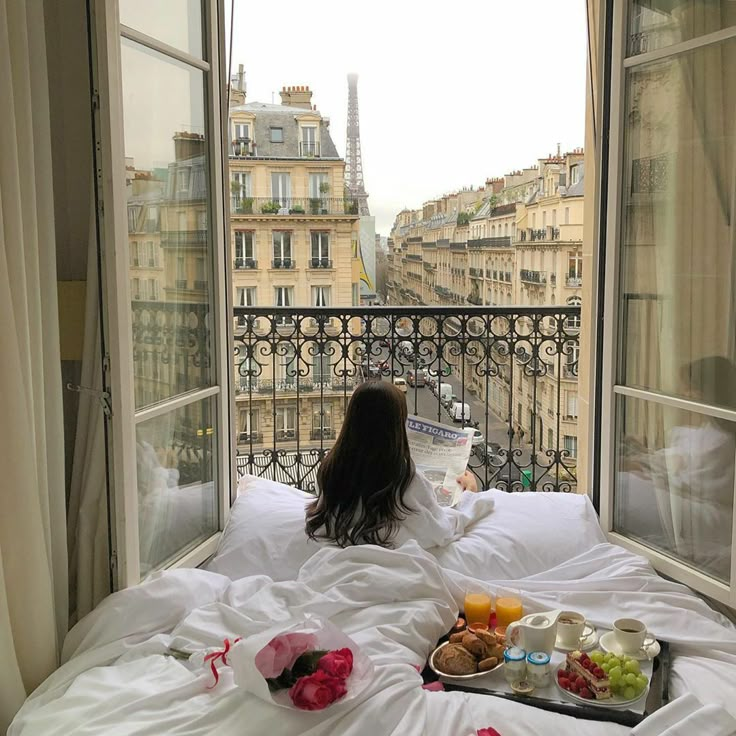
[[535, 632]]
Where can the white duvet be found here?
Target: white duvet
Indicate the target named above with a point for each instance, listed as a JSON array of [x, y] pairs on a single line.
[[394, 604]]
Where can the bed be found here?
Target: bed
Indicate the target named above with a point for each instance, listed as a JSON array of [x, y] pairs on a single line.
[[395, 604]]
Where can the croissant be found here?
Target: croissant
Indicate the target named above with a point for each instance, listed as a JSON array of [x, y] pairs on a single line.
[[475, 646]]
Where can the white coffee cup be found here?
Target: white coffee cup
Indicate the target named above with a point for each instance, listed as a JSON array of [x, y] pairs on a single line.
[[631, 635], [572, 628]]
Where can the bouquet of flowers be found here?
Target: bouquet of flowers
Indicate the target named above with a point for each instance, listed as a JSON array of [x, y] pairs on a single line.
[[309, 665]]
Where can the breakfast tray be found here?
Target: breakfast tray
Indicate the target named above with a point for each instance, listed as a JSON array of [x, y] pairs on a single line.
[[657, 696]]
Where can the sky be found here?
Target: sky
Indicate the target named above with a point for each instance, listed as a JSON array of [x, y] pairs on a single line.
[[449, 94]]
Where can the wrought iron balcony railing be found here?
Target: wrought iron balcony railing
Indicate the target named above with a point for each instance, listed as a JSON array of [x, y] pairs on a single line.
[[241, 263], [296, 206], [493, 358], [309, 149], [533, 277], [320, 263], [574, 281], [283, 263]]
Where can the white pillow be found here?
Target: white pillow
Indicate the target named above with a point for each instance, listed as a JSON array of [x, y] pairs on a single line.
[[526, 533], [265, 533]]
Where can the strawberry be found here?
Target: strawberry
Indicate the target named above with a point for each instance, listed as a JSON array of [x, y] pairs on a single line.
[[585, 693], [574, 686], [580, 682], [599, 673], [564, 683]]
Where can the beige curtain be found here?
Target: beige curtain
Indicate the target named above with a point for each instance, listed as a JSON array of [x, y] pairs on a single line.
[[89, 555], [33, 553]]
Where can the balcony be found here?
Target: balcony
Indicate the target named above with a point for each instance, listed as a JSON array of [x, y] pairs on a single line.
[[533, 277], [320, 263], [245, 263], [309, 149], [476, 272], [520, 351], [242, 147], [250, 437], [296, 207], [283, 263], [574, 282], [538, 234]]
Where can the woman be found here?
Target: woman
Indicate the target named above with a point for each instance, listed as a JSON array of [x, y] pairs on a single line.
[[369, 490]]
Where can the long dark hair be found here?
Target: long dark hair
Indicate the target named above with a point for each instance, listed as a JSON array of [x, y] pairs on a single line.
[[363, 479]]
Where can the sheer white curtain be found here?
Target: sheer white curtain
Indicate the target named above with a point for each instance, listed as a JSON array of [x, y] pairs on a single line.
[[33, 552]]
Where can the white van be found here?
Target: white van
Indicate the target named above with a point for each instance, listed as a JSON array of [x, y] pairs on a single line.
[[400, 384], [460, 412], [445, 392]]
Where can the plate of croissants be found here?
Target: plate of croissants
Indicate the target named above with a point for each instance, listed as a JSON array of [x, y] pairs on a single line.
[[467, 655]]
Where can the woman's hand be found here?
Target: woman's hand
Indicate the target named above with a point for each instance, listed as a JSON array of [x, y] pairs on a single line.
[[468, 482]]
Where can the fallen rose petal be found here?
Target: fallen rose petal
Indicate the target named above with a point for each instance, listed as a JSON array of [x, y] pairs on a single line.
[[488, 731], [434, 687]]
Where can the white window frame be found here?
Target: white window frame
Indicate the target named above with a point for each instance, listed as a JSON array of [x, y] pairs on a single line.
[[320, 239], [285, 416], [284, 239], [241, 130], [321, 296], [112, 215], [243, 246], [620, 64]]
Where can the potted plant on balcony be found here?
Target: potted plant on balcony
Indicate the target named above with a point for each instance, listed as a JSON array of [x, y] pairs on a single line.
[[271, 208], [246, 206], [297, 209], [315, 206]]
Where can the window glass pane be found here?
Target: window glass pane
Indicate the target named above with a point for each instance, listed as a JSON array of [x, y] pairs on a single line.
[[177, 494], [177, 23], [678, 251], [166, 156], [675, 483], [655, 24]]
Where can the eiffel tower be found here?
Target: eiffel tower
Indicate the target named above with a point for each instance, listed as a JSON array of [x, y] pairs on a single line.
[[353, 163]]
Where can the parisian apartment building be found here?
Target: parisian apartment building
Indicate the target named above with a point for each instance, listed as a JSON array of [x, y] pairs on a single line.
[[517, 240], [293, 241]]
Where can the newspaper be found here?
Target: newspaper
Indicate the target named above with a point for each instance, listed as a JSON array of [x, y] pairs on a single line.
[[441, 453]]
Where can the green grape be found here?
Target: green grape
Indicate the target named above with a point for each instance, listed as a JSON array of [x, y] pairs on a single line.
[[597, 656], [607, 657], [631, 678], [642, 680], [615, 672], [631, 665], [629, 693], [605, 667], [615, 679]]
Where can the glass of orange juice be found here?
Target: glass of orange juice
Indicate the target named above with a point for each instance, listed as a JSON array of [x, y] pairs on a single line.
[[477, 606], [508, 610]]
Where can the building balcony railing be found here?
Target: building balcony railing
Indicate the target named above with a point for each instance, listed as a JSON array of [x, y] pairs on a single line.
[[533, 277], [283, 263], [517, 351], [320, 263], [309, 149], [574, 282], [296, 206], [245, 263], [242, 147], [183, 238], [538, 234], [246, 437], [476, 272]]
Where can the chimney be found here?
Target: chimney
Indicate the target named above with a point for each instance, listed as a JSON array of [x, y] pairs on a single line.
[[296, 97], [188, 145], [237, 87]]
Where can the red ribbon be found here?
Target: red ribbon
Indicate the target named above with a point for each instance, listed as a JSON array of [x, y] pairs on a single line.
[[213, 657]]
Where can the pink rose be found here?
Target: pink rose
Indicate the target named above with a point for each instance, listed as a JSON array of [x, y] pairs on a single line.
[[281, 653], [317, 691], [338, 663]]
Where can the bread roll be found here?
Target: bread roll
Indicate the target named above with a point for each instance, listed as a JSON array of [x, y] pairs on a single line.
[[454, 659]]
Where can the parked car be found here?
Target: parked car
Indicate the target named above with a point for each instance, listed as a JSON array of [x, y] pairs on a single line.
[[478, 438], [416, 378], [460, 412], [400, 384], [487, 452], [445, 393]]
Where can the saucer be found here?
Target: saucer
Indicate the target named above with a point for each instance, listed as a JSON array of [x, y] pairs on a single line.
[[587, 643], [609, 644]]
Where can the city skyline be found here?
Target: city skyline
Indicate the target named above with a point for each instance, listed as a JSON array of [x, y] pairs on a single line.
[[432, 123]]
